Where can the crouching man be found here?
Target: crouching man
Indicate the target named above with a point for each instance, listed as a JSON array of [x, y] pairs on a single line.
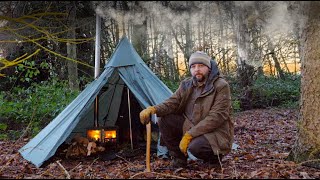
[[197, 117]]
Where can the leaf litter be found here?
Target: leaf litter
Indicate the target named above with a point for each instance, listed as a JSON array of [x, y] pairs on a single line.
[[264, 138]]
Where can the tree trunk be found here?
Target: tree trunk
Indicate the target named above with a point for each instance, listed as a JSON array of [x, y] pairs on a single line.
[[172, 74], [270, 66], [221, 41], [293, 8], [245, 71], [154, 41], [72, 49], [139, 36], [307, 146], [188, 49], [275, 59]]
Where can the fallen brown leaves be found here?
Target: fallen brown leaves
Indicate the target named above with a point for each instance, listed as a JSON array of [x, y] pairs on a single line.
[[265, 138]]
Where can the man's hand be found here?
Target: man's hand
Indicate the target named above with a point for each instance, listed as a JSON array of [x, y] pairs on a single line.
[[146, 113], [186, 139]]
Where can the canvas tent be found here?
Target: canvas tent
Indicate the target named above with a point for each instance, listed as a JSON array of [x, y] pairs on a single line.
[[125, 69]]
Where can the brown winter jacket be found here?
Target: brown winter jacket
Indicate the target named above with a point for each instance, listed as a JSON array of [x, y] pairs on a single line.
[[211, 112]]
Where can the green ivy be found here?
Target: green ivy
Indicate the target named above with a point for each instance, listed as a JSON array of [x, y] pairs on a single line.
[[3, 137], [3, 126], [271, 91], [173, 86], [38, 104]]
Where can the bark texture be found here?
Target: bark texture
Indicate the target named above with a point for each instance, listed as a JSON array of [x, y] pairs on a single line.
[[307, 146]]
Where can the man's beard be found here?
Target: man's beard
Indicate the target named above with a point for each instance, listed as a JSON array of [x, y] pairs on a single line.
[[200, 79]]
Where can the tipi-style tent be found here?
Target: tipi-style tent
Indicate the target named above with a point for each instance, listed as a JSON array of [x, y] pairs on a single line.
[[125, 69]]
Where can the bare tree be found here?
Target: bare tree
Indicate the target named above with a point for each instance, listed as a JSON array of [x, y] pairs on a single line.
[[72, 48], [275, 58], [245, 70], [44, 30]]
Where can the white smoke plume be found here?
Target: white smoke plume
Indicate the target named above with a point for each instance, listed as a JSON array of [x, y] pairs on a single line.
[[275, 16]]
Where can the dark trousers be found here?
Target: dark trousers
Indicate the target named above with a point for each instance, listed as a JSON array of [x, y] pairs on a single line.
[[171, 133]]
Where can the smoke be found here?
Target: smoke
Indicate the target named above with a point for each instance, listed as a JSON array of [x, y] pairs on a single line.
[[283, 21], [273, 17], [244, 4], [275, 14], [280, 21], [165, 18]]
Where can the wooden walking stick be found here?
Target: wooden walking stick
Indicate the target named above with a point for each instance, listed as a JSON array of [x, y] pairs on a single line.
[[148, 127]]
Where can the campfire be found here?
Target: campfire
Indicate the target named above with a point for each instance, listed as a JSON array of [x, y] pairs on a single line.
[[103, 135], [97, 140]]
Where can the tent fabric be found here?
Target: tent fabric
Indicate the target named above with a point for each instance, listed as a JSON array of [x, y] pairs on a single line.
[[143, 85], [124, 69], [111, 97]]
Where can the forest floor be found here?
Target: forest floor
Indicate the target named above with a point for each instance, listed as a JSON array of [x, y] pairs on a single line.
[[265, 138]]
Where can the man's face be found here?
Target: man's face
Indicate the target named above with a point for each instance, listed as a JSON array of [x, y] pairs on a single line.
[[199, 71]]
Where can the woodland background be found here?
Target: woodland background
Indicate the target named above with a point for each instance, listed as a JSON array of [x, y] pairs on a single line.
[[266, 50]]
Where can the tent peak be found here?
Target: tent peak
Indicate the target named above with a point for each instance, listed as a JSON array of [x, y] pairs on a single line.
[[124, 54]]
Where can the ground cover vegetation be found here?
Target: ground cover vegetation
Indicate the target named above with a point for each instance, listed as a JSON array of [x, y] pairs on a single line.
[[35, 106]]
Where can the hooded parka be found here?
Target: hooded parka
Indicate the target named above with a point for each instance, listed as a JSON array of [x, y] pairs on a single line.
[[211, 112]]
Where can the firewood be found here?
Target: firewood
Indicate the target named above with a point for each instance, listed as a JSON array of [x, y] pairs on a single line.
[[76, 150], [81, 140], [91, 148], [78, 147], [81, 146]]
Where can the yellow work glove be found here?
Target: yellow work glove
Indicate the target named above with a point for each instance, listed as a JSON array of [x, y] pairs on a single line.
[[146, 113], [186, 139]]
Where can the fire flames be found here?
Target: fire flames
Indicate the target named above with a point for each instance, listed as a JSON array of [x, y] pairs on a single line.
[[102, 135], [94, 134], [110, 134]]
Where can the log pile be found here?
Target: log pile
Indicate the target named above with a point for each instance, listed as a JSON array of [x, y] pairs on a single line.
[[81, 147]]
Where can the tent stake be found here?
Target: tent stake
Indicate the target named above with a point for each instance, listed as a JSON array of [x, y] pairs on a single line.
[[129, 117]]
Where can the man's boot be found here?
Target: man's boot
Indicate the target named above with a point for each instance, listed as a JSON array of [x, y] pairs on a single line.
[[179, 163], [178, 160]]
